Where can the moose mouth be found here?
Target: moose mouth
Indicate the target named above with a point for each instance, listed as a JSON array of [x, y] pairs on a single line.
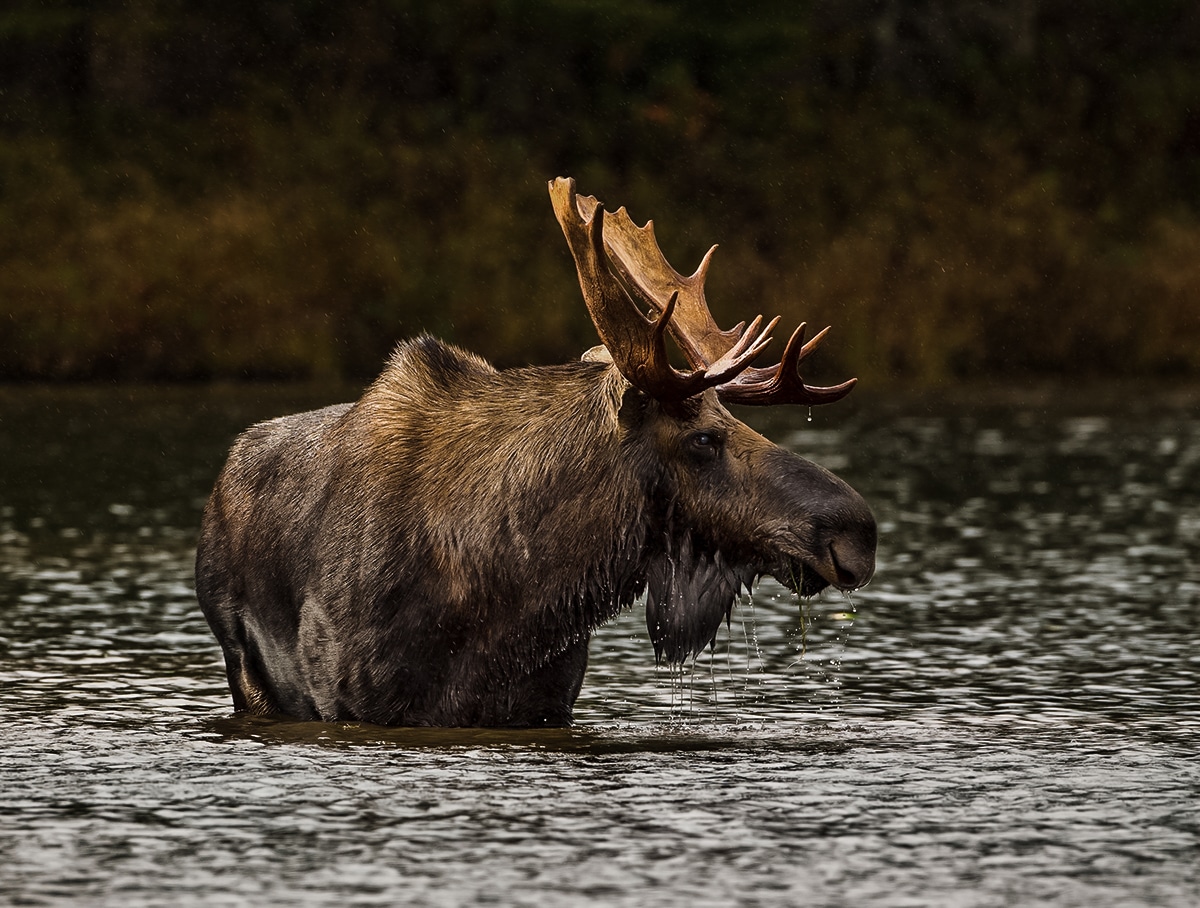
[[806, 575], [799, 576]]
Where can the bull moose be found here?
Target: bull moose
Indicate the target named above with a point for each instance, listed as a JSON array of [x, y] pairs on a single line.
[[440, 551]]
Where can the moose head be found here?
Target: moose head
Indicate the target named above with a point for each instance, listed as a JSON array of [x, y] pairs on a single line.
[[808, 529]]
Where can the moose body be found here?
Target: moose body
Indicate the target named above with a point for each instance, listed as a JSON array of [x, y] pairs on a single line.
[[440, 551]]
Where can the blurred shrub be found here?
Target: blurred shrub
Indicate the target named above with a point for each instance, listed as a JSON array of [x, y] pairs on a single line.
[[286, 188]]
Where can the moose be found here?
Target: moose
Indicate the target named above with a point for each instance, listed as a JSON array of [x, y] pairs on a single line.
[[440, 551]]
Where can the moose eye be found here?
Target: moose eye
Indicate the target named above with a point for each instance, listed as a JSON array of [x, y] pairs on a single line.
[[705, 442]]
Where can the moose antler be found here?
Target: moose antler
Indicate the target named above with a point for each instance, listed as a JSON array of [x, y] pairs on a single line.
[[638, 343], [619, 262], [635, 253]]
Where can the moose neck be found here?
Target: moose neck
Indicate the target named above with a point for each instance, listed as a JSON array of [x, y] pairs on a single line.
[[543, 493]]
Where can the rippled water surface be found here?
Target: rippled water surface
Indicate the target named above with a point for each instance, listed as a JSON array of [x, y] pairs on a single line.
[[1008, 714]]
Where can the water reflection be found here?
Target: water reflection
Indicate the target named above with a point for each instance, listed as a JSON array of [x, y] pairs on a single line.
[[1008, 714]]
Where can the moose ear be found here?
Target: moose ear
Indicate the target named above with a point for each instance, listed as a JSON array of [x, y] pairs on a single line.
[[598, 354]]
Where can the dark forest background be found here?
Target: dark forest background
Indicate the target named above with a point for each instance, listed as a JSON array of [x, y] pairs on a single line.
[[965, 189]]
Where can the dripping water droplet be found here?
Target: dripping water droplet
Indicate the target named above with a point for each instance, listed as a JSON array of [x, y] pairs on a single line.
[[810, 414]]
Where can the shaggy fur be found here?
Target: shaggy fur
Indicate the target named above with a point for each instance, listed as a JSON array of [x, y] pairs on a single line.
[[439, 552]]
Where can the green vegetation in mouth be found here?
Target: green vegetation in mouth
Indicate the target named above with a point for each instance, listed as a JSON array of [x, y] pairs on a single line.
[[805, 609]]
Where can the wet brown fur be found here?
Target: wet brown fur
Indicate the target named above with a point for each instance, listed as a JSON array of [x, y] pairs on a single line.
[[439, 552]]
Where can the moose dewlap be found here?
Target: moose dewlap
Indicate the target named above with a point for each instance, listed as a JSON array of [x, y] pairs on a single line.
[[440, 551]]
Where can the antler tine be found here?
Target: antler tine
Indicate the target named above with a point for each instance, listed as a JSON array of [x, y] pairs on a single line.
[[751, 342], [782, 384]]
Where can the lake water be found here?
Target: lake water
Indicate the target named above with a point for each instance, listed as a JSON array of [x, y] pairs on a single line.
[[1008, 715]]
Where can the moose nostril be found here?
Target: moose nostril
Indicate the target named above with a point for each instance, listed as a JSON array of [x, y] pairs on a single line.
[[854, 567]]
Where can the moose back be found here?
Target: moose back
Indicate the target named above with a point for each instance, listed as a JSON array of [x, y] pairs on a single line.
[[440, 551]]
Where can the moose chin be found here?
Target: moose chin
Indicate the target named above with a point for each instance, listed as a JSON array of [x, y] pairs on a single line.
[[440, 551]]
